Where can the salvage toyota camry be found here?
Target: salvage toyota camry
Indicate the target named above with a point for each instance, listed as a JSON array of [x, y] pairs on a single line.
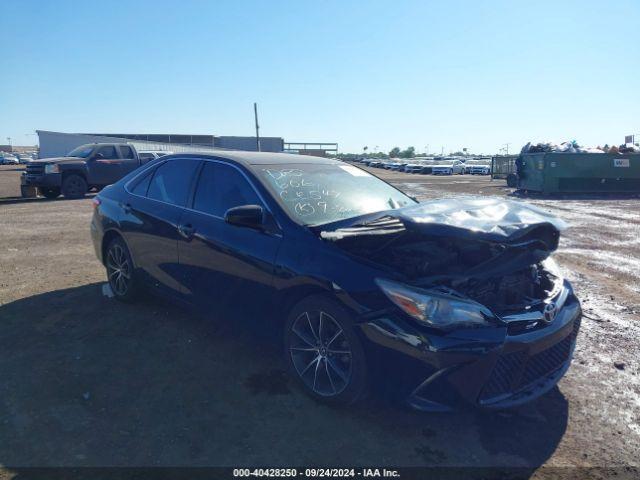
[[451, 302]]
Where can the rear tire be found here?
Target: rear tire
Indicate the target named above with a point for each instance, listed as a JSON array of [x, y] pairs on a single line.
[[120, 271], [74, 186], [323, 351], [49, 192]]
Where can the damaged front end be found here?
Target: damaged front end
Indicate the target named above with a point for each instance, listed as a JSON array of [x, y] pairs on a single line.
[[500, 321], [493, 252]]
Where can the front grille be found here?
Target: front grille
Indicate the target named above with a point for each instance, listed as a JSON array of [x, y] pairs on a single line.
[[514, 371], [504, 374], [546, 361], [37, 169]]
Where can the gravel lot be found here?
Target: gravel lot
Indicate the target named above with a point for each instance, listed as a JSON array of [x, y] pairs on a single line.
[[87, 381]]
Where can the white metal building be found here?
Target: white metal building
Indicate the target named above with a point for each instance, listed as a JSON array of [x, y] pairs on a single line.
[[58, 144]]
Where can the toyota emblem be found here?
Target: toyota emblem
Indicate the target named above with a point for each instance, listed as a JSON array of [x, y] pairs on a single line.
[[549, 312]]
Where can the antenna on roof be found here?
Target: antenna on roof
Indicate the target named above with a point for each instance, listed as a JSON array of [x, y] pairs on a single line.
[[255, 113]]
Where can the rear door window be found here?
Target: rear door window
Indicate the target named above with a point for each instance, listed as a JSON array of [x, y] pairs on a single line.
[[126, 151], [221, 187], [172, 180]]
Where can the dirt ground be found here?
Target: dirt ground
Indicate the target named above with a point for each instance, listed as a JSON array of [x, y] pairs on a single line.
[[88, 381]]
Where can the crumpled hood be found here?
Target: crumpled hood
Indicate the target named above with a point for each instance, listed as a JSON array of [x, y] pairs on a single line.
[[481, 218], [456, 239], [490, 219]]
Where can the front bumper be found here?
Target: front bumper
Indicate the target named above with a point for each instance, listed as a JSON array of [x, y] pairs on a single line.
[[50, 180], [487, 367]]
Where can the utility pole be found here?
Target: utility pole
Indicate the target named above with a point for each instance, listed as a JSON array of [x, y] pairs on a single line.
[[255, 113], [506, 148]]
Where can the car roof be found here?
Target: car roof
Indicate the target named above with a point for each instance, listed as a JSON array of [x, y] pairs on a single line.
[[263, 158]]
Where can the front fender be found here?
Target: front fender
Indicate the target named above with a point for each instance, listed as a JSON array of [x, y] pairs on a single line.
[[78, 168]]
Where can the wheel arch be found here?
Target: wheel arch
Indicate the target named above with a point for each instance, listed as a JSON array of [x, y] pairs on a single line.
[[289, 299], [293, 296], [75, 171], [108, 237]]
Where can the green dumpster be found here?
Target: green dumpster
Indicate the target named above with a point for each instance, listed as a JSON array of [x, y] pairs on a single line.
[[578, 172]]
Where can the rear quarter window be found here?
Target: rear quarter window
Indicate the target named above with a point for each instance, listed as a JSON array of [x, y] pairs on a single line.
[[142, 184]]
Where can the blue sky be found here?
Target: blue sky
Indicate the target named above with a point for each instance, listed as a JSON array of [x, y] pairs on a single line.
[[449, 74]]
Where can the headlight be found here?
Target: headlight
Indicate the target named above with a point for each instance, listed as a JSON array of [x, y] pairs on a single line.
[[52, 168], [435, 308], [550, 265]]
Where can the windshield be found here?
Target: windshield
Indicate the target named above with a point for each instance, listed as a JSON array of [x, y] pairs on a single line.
[[83, 151], [314, 194]]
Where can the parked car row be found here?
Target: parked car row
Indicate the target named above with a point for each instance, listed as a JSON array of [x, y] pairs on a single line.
[[16, 158], [432, 166], [8, 159], [477, 167]]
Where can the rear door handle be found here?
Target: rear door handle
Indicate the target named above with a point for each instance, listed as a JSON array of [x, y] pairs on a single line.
[[187, 231], [126, 207]]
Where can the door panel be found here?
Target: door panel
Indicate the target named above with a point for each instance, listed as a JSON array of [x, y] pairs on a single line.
[[152, 236], [107, 170], [152, 216], [128, 161], [227, 267]]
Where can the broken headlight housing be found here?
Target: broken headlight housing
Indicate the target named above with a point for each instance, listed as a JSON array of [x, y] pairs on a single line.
[[550, 265], [436, 309]]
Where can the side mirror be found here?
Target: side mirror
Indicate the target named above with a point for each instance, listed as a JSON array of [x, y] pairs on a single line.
[[251, 216]]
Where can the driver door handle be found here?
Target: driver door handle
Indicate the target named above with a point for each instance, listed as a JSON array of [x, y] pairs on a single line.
[[186, 230]]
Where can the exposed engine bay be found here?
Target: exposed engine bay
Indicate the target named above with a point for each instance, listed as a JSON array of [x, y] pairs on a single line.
[[499, 266]]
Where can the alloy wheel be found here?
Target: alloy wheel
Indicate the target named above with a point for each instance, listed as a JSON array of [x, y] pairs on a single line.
[[320, 353], [118, 270], [74, 187]]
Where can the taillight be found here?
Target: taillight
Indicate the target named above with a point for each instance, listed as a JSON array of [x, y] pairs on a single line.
[[96, 202]]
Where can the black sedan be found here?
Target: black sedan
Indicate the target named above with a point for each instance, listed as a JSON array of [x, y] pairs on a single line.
[[447, 303]]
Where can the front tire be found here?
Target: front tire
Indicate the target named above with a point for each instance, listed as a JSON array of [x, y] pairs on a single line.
[[74, 186], [120, 271], [323, 351]]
